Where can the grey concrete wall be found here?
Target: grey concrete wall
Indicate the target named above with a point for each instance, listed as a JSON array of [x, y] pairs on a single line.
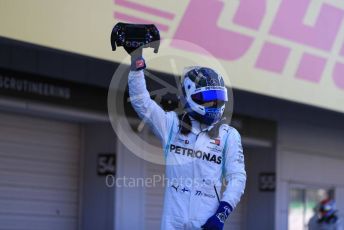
[[260, 206], [98, 200], [130, 201]]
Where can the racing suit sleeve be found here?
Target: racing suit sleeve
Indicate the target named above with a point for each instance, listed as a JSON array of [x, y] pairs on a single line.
[[234, 169], [145, 107]]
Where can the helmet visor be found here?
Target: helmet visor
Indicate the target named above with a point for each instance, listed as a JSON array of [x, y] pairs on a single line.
[[210, 98], [209, 95]]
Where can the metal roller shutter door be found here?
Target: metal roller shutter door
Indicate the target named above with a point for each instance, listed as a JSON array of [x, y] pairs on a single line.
[[39, 173]]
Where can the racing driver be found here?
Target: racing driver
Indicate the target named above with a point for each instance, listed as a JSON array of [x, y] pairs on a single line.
[[197, 145]]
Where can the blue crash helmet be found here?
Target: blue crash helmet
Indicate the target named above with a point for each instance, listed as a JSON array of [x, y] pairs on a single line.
[[204, 94]]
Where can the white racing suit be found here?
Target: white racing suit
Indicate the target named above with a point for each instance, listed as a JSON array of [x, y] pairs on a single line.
[[195, 163]]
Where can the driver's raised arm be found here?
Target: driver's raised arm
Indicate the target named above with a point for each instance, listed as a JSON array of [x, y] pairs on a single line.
[[146, 108]]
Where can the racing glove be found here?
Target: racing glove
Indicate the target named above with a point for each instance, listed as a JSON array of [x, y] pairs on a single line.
[[217, 221], [137, 61]]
